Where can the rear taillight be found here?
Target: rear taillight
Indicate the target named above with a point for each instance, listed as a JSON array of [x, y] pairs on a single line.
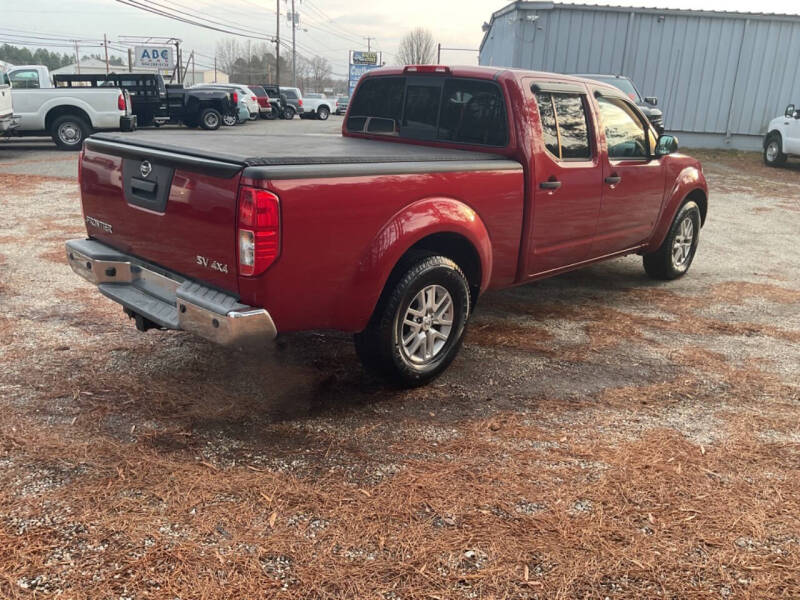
[[253, 98], [121, 102], [259, 230], [235, 98], [300, 102]]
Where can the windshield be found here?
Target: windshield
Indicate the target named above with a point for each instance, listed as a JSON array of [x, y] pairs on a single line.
[[621, 83], [259, 91]]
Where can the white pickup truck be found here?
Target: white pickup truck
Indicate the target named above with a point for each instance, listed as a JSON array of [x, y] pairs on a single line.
[[8, 120], [783, 137], [68, 115], [317, 106]]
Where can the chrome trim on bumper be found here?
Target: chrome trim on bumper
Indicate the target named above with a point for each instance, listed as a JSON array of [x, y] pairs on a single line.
[[239, 326]]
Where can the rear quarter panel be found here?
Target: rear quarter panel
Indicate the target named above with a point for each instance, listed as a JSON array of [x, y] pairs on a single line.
[[341, 238]]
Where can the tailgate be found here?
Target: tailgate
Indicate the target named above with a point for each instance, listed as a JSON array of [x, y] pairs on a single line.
[[177, 211]]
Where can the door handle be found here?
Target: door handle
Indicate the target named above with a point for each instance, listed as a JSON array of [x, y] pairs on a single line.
[[550, 185], [613, 179]]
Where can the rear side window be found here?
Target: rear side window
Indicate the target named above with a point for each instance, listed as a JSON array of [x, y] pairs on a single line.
[[28, 79], [565, 129], [259, 91], [290, 94], [452, 109], [473, 112]]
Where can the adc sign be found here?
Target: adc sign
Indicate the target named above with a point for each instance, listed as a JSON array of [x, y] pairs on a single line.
[[154, 57]]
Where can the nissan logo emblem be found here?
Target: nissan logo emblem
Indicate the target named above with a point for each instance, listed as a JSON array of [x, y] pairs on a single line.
[[145, 168]]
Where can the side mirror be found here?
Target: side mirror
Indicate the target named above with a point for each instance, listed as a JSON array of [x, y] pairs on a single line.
[[667, 144], [651, 100], [789, 114]]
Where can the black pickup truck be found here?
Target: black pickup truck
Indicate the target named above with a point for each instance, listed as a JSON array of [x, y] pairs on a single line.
[[154, 102]]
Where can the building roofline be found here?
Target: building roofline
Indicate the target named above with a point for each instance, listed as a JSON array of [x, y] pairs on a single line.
[[522, 5]]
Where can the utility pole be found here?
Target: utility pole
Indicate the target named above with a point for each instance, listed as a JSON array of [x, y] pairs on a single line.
[[278, 45], [369, 43], [77, 57], [294, 50], [130, 60], [177, 69], [215, 68], [439, 54], [105, 45]]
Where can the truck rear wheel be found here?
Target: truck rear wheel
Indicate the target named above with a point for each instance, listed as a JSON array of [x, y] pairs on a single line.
[[418, 325], [69, 131], [323, 113], [674, 257], [210, 119], [289, 112]]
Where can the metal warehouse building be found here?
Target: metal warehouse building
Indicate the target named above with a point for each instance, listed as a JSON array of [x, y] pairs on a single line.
[[719, 77]]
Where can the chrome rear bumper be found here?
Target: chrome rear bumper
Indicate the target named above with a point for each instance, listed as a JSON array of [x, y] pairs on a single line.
[[166, 299]]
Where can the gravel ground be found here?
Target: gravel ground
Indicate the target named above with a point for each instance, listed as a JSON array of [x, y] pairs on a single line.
[[600, 434]]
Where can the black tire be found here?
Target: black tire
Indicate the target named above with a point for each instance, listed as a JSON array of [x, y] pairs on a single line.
[[69, 131], [323, 112], [230, 120], [773, 155], [663, 264], [380, 346], [289, 112], [210, 119]]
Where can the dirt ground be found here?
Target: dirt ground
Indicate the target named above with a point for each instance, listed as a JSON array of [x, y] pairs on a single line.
[[600, 435]]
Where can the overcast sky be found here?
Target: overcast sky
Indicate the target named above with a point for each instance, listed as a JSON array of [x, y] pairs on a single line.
[[332, 27]]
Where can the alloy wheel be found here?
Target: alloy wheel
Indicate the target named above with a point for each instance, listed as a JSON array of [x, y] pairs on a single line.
[[426, 325]]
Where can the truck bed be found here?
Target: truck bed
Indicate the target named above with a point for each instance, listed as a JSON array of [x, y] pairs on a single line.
[[255, 150]]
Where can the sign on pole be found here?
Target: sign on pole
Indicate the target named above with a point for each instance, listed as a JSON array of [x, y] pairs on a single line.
[[154, 57], [360, 63]]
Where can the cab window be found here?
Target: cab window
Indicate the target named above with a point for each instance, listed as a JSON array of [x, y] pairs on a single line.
[[626, 135], [26, 79], [454, 109], [565, 128]]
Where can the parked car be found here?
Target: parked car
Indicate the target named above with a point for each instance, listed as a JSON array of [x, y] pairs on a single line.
[[317, 106], [292, 99], [264, 106], [446, 182], [202, 107], [8, 120], [341, 104], [68, 115], [783, 137], [246, 100], [647, 104]]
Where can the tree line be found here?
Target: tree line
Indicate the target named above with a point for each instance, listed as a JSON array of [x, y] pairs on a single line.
[[41, 56]]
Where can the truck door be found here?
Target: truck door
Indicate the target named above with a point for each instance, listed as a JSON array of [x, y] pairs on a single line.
[[792, 141], [567, 177], [633, 178]]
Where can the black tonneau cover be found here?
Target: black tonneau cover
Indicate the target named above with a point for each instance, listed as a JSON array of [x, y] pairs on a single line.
[[276, 156]]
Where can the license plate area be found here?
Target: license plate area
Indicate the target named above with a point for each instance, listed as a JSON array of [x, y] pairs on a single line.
[[146, 184]]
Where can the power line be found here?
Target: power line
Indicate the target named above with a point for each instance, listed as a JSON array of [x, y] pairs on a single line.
[[135, 4]]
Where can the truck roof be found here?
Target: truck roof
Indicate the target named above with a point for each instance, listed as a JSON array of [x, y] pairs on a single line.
[[479, 72]]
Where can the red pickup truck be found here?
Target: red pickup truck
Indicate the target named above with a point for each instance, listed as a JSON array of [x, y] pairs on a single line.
[[445, 182]]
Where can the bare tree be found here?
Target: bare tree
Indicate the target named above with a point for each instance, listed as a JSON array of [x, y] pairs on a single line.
[[228, 52], [319, 72], [417, 47]]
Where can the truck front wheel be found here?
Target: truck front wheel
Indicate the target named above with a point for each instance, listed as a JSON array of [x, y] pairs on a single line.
[[69, 131], [773, 151], [674, 257], [418, 325]]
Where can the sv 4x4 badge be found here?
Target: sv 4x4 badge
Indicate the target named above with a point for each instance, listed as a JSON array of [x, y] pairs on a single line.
[[211, 264]]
